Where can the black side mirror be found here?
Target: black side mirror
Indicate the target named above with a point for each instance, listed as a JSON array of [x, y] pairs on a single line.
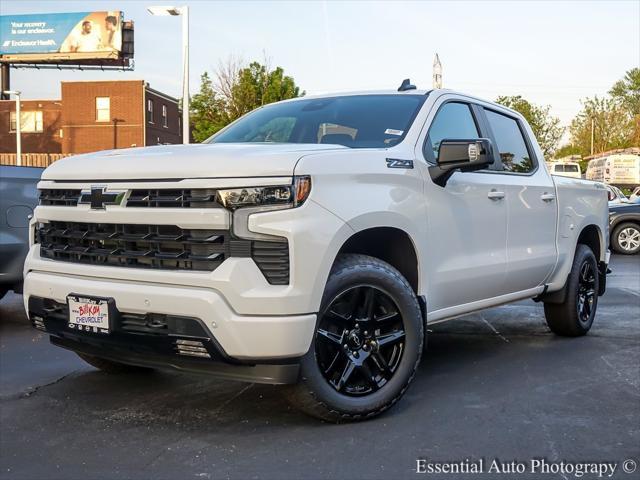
[[463, 155]]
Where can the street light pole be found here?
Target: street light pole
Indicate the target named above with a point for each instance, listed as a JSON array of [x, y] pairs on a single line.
[[16, 93], [184, 12]]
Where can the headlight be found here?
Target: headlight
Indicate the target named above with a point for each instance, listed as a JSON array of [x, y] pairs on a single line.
[[249, 200], [283, 196]]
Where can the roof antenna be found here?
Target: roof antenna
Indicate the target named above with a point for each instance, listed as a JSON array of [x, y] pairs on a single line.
[[406, 85]]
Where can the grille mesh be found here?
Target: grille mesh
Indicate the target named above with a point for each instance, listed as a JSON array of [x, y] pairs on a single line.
[[272, 259], [165, 198], [143, 246], [158, 246], [141, 198], [59, 197]]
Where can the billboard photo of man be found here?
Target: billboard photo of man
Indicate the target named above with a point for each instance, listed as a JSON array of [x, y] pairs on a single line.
[[88, 40], [97, 32], [113, 36]]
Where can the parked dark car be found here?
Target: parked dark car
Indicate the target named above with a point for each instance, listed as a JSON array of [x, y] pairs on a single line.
[[624, 225], [18, 198]]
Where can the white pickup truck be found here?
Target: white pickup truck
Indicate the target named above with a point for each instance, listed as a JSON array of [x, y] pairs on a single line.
[[311, 242]]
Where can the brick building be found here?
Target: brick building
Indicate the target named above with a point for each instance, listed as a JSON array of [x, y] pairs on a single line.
[[41, 126], [93, 116]]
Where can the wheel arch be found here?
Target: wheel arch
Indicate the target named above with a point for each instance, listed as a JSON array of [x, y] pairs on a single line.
[[592, 237], [389, 244]]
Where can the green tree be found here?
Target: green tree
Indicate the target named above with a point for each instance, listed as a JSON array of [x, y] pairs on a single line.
[[567, 150], [206, 109], [546, 127], [627, 93], [612, 126], [237, 90]]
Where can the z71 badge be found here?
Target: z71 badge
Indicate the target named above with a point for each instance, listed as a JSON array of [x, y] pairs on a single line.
[[399, 163]]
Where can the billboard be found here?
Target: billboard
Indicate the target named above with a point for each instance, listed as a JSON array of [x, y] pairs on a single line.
[[55, 37]]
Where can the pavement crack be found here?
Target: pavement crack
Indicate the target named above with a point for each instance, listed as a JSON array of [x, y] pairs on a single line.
[[33, 390], [231, 399], [493, 328], [630, 291]]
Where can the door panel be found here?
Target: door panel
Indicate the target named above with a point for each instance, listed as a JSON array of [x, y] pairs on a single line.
[[467, 219], [466, 240], [531, 205], [531, 246]]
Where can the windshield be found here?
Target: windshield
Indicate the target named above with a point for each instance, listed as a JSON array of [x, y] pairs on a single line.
[[619, 193], [358, 121]]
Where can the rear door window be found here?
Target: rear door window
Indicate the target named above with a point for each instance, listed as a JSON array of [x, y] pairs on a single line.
[[510, 142]]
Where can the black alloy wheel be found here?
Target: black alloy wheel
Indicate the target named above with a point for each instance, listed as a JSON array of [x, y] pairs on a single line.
[[367, 344], [574, 314], [586, 293], [360, 340]]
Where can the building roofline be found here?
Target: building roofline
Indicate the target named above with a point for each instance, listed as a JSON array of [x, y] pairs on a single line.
[[160, 94], [34, 100], [102, 81]]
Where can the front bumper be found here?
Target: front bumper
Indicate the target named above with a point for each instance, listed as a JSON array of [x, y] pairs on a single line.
[[132, 342], [238, 339]]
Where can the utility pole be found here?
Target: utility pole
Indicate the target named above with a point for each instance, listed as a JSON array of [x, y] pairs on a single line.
[[184, 12], [592, 134], [5, 80], [437, 72]]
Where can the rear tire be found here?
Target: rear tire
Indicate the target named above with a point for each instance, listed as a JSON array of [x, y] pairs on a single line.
[[574, 317], [625, 238], [367, 346], [111, 367]]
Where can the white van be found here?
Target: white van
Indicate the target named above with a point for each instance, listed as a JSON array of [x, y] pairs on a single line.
[[618, 169], [565, 169]]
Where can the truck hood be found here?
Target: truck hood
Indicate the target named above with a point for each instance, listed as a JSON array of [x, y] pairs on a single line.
[[217, 160]]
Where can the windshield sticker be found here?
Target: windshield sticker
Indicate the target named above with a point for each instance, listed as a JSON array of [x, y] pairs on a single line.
[[391, 131]]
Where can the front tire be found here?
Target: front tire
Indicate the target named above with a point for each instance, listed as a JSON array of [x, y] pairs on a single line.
[[111, 367], [367, 345], [575, 315], [625, 238]]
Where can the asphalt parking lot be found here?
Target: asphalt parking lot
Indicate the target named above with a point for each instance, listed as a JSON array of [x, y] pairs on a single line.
[[492, 385]]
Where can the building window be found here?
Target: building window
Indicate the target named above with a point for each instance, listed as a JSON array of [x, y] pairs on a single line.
[[165, 120], [150, 111], [103, 109], [30, 122]]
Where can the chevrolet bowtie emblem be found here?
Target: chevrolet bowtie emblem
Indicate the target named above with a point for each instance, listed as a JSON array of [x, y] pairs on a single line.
[[98, 197]]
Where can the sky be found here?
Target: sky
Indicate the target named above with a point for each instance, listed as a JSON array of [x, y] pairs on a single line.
[[552, 53]]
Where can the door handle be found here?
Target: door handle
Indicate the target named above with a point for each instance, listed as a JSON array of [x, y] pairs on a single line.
[[495, 195], [547, 197]]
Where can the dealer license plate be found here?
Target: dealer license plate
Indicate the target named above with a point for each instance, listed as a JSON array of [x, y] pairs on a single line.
[[89, 314]]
